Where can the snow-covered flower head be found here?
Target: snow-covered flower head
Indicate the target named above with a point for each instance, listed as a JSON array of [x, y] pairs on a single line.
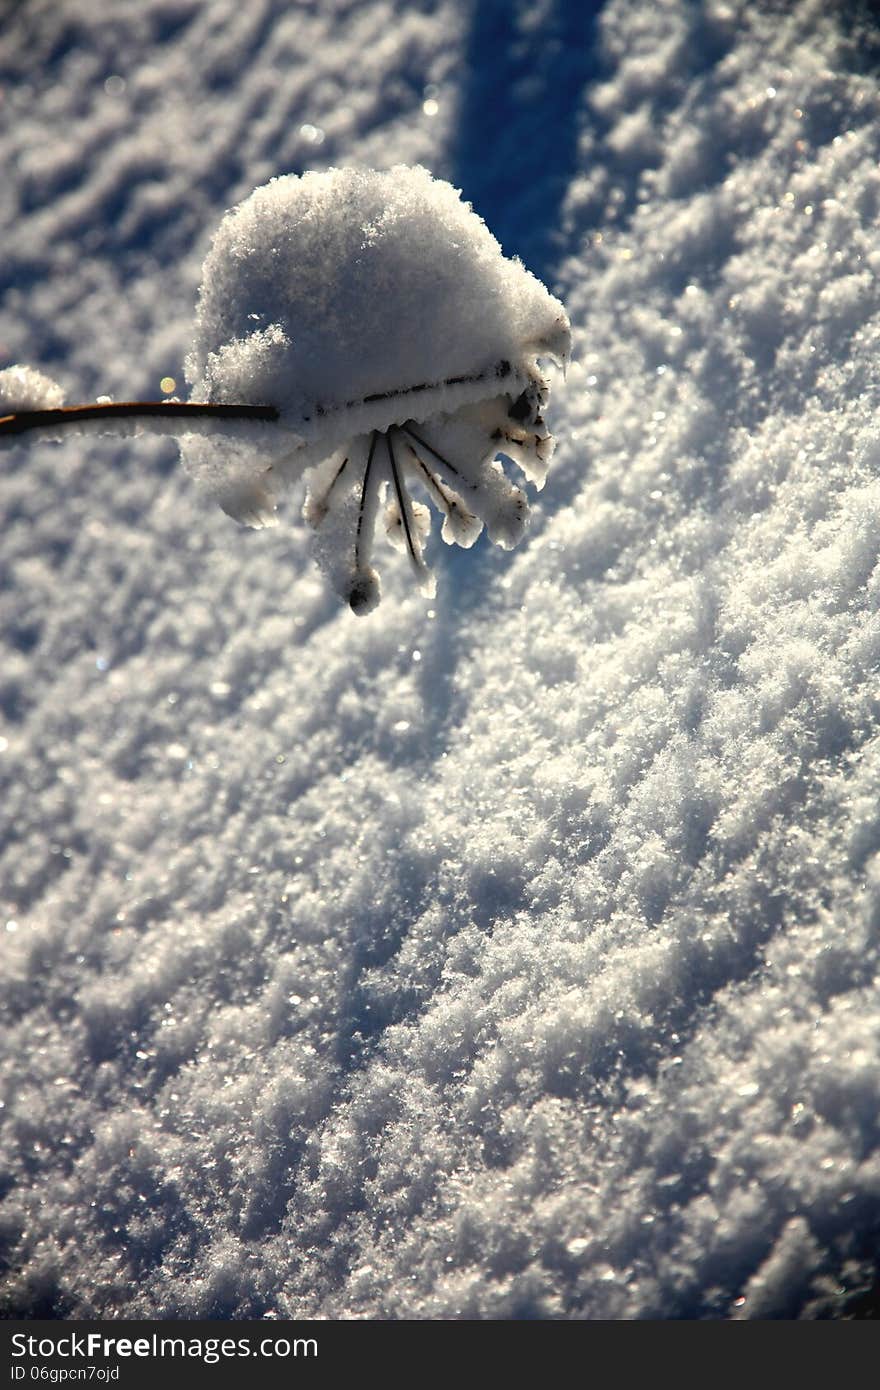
[[377, 312]]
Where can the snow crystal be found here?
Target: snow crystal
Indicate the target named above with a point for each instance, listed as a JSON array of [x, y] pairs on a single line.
[[24, 388], [356, 302]]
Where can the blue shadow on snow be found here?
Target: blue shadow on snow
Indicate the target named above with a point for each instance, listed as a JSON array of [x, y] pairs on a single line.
[[515, 150]]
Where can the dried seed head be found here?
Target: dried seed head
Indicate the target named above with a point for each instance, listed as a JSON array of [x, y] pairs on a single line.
[[366, 305]]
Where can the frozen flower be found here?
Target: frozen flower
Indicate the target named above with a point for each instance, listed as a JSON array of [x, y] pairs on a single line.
[[378, 314]]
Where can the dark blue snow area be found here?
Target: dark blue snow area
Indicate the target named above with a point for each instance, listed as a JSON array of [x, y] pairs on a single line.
[[515, 148]]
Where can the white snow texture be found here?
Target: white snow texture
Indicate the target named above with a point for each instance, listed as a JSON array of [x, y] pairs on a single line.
[[512, 953], [24, 388], [325, 290]]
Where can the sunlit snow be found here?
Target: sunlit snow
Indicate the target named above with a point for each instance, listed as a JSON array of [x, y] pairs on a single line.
[[511, 952], [24, 388]]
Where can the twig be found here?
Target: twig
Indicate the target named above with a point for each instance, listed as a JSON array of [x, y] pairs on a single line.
[[357, 540], [403, 505], [23, 420]]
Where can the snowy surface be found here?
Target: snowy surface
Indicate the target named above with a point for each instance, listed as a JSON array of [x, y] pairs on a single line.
[[512, 953]]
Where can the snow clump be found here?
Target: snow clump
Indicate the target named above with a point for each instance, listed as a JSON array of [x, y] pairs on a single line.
[[24, 388]]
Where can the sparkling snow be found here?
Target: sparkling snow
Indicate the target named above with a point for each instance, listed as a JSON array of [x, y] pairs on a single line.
[[24, 388], [513, 952]]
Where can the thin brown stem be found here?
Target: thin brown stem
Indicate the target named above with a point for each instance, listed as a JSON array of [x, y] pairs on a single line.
[[22, 420], [357, 540], [499, 372], [408, 429], [401, 503]]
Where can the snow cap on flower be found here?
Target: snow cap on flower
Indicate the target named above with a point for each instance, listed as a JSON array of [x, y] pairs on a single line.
[[377, 312]]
